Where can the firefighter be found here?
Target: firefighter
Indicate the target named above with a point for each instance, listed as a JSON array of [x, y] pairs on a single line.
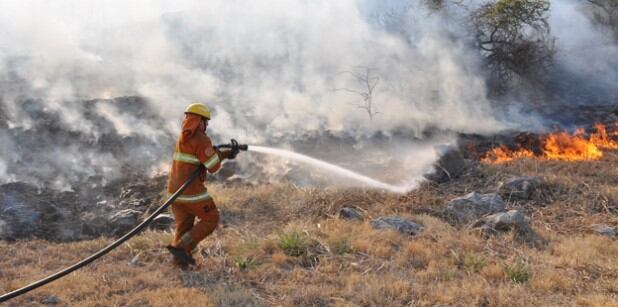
[[193, 148]]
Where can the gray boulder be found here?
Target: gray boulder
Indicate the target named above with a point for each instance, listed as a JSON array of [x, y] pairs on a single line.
[[511, 220], [472, 206], [123, 220], [162, 222], [605, 230], [51, 300], [397, 223], [519, 187], [348, 213], [504, 221]]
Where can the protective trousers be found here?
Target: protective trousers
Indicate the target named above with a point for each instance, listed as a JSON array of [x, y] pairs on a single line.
[[188, 233]]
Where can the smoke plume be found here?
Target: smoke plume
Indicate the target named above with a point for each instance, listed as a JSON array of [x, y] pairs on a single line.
[[274, 72]]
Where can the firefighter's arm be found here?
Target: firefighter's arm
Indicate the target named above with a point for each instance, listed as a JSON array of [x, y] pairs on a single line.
[[210, 157]]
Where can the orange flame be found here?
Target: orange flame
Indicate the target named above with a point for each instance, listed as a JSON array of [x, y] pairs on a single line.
[[602, 139], [503, 154], [561, 146]]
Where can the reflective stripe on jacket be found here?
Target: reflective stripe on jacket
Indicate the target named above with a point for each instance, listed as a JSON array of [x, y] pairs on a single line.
[[191, 198], [191, 159]]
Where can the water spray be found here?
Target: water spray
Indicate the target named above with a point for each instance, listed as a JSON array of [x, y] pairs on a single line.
[[365, 180]]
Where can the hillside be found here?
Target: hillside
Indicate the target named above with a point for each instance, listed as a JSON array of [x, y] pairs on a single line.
[[282, 245]]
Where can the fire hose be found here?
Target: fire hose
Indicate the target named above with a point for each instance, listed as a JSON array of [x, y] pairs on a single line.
[[234, 146]]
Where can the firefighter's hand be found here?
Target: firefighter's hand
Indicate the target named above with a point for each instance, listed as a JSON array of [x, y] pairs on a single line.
[[232, 153]]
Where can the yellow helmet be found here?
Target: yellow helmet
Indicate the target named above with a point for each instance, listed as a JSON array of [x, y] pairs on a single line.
[[199, 109]]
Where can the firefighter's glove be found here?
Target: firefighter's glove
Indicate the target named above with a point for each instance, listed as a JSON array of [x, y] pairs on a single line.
[[233, 153], [235, 149]]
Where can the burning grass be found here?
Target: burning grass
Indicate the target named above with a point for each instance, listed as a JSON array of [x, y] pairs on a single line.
[[561, 145], [282, 245]]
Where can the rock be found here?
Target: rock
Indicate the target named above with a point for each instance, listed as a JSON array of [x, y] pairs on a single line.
[[348, 213], [605, 230], [450, 165], [504, 221], [397, 223], [511, 220], [123, 220], [51, 300], [162, 222], [519, 187], [472, 206]]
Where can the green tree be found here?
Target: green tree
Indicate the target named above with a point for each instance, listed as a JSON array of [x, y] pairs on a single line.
[[514, 36]]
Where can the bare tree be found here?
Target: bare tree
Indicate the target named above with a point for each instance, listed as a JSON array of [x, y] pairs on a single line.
[[363, 75]]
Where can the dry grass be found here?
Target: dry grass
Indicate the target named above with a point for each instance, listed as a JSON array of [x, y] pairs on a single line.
[[283, 246]]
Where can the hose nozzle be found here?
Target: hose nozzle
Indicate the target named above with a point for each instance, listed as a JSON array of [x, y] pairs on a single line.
[[233, 145]]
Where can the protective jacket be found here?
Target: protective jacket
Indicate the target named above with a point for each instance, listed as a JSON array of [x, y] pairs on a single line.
[[193, 147]]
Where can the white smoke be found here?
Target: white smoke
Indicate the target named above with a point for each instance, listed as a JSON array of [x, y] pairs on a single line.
[[269, 69], [583, 50], [7, 155], [3, 170], [270, 65]]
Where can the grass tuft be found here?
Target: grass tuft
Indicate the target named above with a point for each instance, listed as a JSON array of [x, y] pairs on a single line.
[[244, 263], [418, 255], [473, 263], [340, 246], [518, 272], [294, 243]]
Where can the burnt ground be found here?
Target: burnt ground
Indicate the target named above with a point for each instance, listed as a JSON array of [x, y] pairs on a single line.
[[31, 212], [66, 200]]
